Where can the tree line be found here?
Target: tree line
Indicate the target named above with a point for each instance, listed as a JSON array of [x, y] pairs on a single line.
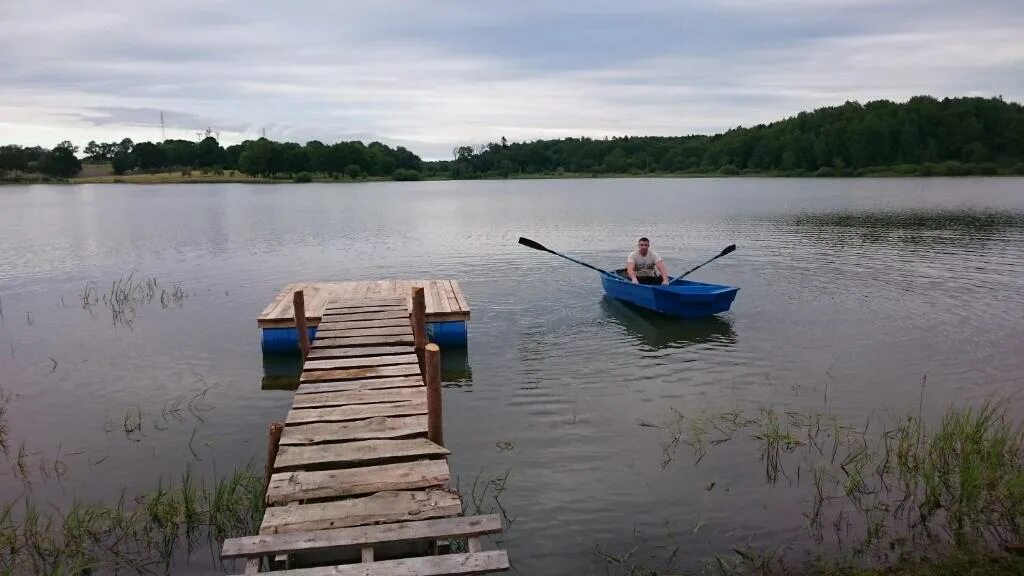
[[924, 135], [262, 157], [921, 136]]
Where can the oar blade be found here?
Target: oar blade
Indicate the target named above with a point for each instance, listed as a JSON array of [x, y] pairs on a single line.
[[727, 250], [531, 244]]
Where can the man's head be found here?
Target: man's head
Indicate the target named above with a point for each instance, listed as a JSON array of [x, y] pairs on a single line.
[[643, 245]]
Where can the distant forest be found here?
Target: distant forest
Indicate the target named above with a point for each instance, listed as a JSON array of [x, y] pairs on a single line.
[[923, 136]]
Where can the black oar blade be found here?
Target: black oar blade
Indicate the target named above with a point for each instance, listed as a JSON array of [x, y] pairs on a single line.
[[727, 249], [531, 244]]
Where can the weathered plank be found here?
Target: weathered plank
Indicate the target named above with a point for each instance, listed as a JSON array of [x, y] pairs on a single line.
[[390, 506], [368, 429], [372, 331], [440, 298], [463, 304], [439, 528], [359, 451], [361, 362], [350, 397], [287, 487], [326, 353], [344, 304], [365, 384], [444, 564], [337, 313], [362, 341], [364, 315], [357, 412], [360, 373], [342, 325]]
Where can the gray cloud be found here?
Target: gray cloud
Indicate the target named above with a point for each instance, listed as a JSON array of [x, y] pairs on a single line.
[[432, 76]]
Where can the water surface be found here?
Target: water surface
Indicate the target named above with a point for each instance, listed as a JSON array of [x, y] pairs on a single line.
[[858, 297]]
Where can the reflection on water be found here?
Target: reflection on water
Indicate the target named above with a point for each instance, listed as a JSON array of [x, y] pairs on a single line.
[[658, 331], [455, 368], [281, 370], [911, 226]]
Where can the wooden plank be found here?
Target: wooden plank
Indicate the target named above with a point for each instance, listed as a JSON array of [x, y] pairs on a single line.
[[449, 293], [360, 373], [440, 298], [362, 307], [350, 397], [375, 331], [344, 306], [295, 542], [463, 303], [362, 341], [271, 309], [336, 325], [287, 487], [318, 302], [328, 353], [368, 429], [365, 315], [358, 451], [356, 412], [441, 565], [390, 506], [359, 362], [365, 384]]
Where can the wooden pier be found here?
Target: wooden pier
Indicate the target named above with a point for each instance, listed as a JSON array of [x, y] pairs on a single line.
[[357, 477], [447, 310]]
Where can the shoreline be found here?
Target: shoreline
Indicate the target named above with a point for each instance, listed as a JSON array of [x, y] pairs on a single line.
[[151, 179]]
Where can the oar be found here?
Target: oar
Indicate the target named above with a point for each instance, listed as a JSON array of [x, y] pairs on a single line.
[[538, 246], [724, 251]]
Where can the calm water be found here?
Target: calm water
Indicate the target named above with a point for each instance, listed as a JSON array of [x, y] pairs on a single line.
[[852, 292]]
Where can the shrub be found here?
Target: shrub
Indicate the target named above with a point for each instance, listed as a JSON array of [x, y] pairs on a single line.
[[406, 175], [303, 177]]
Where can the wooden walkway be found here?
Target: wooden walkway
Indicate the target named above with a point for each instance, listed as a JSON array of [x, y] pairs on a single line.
[[356, 487], [443, 298]]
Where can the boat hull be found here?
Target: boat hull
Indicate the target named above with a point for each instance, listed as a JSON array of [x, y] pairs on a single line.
[[686, 299]]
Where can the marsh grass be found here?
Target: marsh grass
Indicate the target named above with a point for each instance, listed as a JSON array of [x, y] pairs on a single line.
[[892, 490], [127, 294], [142, 534]]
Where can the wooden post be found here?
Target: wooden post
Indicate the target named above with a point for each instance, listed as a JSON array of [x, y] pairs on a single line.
[[299, 304], [419, 324], [435, 420], [273, 443]]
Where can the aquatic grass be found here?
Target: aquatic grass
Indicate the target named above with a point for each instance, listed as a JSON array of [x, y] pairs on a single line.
[[127, 293], [137, 534], [893, 488]]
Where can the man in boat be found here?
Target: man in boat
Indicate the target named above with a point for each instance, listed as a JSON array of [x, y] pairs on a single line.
[[644, 266]]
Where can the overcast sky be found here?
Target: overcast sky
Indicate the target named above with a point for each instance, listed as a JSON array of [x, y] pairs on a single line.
[[433, 75]]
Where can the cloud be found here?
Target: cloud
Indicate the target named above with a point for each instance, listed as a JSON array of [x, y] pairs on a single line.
[[433, 76]]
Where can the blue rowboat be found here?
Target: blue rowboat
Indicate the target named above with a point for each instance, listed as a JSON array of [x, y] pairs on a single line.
[[687, 298]]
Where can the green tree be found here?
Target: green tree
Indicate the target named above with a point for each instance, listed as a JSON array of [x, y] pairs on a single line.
[[61, 161], [12, 159]]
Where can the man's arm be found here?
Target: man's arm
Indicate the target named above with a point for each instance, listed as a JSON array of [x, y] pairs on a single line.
[[631, 270], [664, 271]]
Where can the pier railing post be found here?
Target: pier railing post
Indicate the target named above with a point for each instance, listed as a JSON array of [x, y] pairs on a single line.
[[299, 304], [419, 324], [435, 420], [273, 443]]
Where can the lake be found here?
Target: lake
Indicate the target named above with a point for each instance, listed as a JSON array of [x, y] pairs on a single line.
[[858, 298]]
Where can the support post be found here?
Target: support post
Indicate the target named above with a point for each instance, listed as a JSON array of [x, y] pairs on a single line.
[[299, 304], [419, 325], [435, 420], [273, 443]]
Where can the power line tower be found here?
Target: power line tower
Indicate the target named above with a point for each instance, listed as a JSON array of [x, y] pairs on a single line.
[[163, 131]]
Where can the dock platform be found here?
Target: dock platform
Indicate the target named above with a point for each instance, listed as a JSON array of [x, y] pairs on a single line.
[[446, 307], [358, 475]]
